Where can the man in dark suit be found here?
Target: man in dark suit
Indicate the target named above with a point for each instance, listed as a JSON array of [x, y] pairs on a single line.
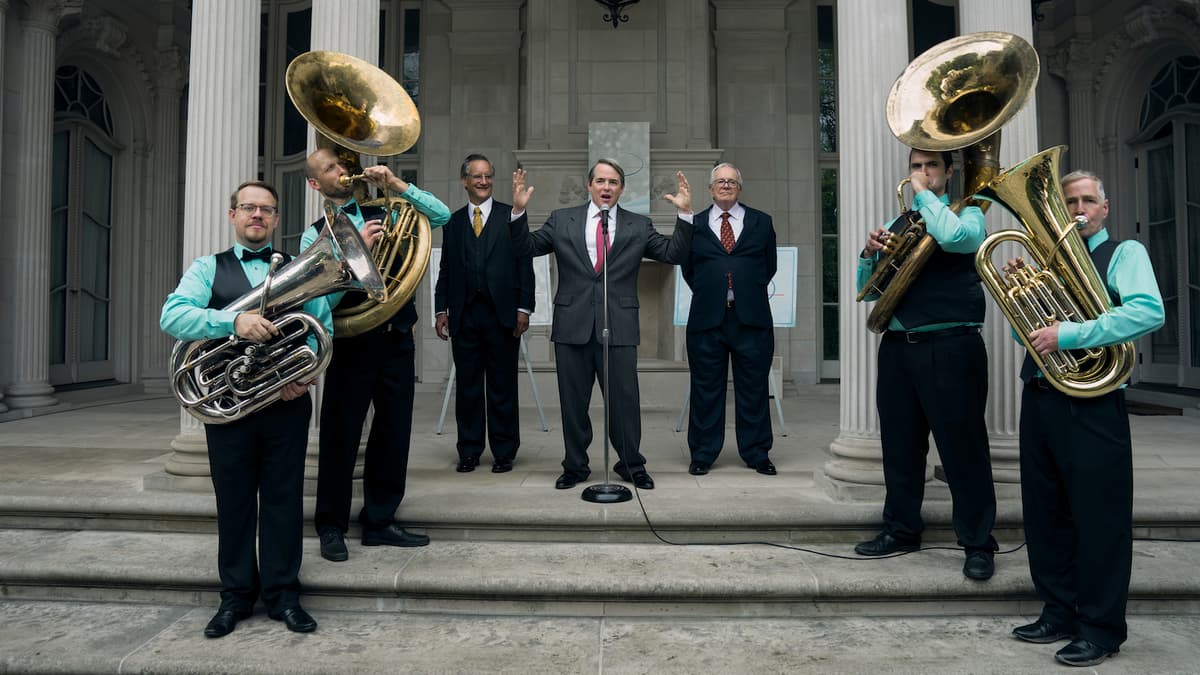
[[578, 238], [731, 263], [483, 299], [374, 367]]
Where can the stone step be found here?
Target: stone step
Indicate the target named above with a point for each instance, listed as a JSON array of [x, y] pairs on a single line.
[[569, 579], [74, 637]]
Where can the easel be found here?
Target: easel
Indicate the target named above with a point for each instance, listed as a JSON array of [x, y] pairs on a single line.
[[687, 399], [537, 399]]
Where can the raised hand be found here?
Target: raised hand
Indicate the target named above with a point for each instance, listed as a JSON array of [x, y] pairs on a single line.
[[521, 193], [682, 199]]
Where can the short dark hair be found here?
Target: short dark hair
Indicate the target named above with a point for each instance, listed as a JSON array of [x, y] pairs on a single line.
[[947, 156], [616, 167], [473, 157], [233, 198]]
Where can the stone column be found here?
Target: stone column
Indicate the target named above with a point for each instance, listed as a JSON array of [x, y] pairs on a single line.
[[3, 17], [546, 68], [1018, 141], [30, 387], [1072, 63], [162, 271], [222, 151], [871, 51]]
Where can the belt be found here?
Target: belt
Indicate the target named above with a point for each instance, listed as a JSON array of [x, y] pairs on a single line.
[[729, 304], [914, 336]]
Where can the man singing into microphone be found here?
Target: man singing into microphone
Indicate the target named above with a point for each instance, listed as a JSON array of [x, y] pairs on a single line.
[[584, 238]]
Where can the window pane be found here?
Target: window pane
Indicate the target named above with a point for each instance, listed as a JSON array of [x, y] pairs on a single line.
[[295, 128], [829, 351], [291, 204]]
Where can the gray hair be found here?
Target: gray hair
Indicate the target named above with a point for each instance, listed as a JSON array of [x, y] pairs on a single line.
[[1081, 175], [712, 175]]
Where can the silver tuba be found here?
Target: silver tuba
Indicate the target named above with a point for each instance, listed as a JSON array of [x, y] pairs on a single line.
[[224, 379]]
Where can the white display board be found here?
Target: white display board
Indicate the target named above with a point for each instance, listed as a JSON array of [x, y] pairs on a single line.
[[781, 292], [541, 288]]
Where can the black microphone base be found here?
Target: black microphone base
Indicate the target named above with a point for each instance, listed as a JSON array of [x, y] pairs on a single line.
[[606, 493]]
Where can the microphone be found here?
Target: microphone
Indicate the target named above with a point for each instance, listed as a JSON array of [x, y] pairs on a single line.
[[604, 217]]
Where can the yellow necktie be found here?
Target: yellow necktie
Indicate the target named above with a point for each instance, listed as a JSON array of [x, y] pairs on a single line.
[[477, 222]]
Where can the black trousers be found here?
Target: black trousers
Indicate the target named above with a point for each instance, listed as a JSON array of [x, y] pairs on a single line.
[[485, 362], [750, 348], [938, 386], [578, 368], [257, 467], [1077, 503], [371, 368]]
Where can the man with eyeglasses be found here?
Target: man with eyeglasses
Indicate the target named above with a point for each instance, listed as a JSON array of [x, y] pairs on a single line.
[[732, 261], [257, 462], [933, 377], [483, 299], [378, 367]]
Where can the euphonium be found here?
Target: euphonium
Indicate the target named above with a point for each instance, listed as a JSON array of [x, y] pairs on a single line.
[[956, 95], [355, 105], [224, 379], [1065, 288]]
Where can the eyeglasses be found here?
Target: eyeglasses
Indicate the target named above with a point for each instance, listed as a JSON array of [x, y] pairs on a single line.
[[480, 176], [249, 209], [726, 182]]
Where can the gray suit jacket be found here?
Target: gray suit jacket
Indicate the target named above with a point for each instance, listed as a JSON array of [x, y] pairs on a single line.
[[579, 300]]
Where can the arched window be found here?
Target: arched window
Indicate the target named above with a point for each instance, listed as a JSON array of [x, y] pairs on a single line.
[[1168, 152], [81, 222]]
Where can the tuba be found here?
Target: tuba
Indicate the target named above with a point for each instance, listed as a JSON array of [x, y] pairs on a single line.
[[1066, 287], [355, 105], [224, 379], [954, 96]]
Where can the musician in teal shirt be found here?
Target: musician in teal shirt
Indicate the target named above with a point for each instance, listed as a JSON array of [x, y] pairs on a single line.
[[256, 461], [1077, 456]]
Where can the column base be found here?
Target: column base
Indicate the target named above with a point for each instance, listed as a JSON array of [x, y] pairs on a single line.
[[31, 395], [191, 455], [855, 471]]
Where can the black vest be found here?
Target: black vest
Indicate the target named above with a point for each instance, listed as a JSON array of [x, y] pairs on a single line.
[[402, 320], [473, 256], [1100, 258], [946, 291], [229, 279]]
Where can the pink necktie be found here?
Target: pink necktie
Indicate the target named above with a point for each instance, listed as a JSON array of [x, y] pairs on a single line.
[[601, 243]]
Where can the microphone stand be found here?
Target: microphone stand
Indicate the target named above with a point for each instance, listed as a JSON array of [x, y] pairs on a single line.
[[606, 492]]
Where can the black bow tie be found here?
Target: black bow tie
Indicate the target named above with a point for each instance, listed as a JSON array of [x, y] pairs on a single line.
[[263, 255], [350, 209]]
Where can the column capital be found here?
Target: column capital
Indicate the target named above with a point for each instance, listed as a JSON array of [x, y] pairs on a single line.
[[46, 14], [108, 35], [1072, 61], [172, 69]]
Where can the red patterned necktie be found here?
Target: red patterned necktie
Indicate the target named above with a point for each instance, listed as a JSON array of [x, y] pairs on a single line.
[[601, 243], [726, 232]]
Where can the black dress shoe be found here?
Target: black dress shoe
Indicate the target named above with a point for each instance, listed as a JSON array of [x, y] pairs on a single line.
[[640, 479], [1083, 653], [698, 468], [297, 620], [766, 468], [1041, 632], [224, 621], [467, 464], [502, 466], [566, 482], [884, 544], [979, 565], [333, 545], [392, 535]]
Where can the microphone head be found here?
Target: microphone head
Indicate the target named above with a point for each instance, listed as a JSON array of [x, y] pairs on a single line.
[[604, 208]]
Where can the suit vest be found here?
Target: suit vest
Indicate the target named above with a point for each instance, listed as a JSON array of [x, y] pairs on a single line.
[[946, 291], [229, 279]]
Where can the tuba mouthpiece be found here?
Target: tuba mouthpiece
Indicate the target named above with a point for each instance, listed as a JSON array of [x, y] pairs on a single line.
[[1081, 222]]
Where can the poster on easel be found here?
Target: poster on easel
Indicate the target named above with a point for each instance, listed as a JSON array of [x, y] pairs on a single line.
[[781, 291]]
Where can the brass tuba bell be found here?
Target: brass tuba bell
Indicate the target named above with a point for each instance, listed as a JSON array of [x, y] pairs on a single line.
[[955, 95], [357, 106]]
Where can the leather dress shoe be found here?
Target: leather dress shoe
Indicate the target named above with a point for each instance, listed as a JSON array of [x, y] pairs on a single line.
[[1041, 632], [979, 565], [885, 544], [297, 620], [1083, 653], [224, 621], [566, 482], [467, 464], [640, 479], [766, 468], [698, 468], [502, 466], [392, 535], [333, 545]]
